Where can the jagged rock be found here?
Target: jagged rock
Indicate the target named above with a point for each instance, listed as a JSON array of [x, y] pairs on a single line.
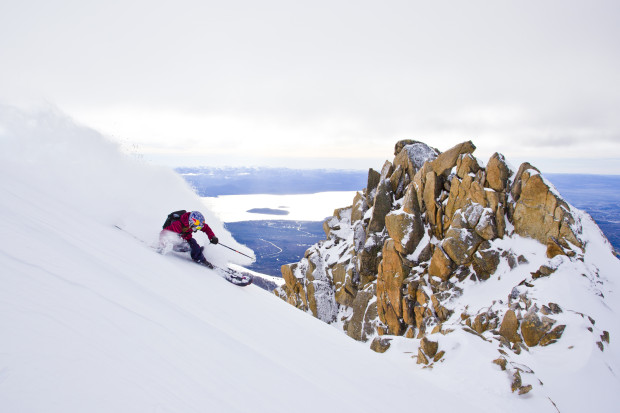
[[387, 170], [515, 189], [401, 144], [498, 173], [405, 229], [364, 312], [410, 201], [412, 156], [389, 289], [321, 301], [432, 189], [419, 179], [501, 362], [552, 336], [389, 257], [516, 381], [555, 248], [486, 261], [395, 179], [533, 329], [604, 336], [486, 226], [551, 308], [540, 213], [408, 306], [543, 271], [421, 357], [441, 265], [439, 356], [345, 291], [421, 313], [421, 297], [328, 224], [442, 312], [509, 327], [460, 244], [368, 259], [287, 271], [466, 164], [380, 344], [429, 347], [462, 193], [381, 207], [359, 207], [447, 160], [481, 323], [374, 178]]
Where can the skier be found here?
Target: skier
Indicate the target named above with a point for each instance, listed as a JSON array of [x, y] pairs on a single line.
[[178, 231]]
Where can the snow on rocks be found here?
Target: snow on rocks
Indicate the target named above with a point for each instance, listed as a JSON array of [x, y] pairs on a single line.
[[445, 246]]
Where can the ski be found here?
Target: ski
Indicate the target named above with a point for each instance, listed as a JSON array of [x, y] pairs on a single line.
[[235, 277], [238, 278]]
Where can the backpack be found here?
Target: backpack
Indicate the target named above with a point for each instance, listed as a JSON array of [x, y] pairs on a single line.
[[173, 216]]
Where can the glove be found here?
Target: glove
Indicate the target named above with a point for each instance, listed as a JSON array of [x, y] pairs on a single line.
[[214, 240]]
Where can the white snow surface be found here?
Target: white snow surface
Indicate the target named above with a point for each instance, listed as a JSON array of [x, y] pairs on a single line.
[[93, 320]]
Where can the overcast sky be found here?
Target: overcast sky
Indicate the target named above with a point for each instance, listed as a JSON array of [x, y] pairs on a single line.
[[325, 83]]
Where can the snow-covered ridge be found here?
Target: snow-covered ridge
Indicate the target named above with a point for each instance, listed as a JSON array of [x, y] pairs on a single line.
[[455, 262]]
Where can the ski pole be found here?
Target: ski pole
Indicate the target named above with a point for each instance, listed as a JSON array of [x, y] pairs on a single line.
[[219, 243]]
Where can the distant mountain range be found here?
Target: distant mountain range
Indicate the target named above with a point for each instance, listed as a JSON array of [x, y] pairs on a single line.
[[276, 181]]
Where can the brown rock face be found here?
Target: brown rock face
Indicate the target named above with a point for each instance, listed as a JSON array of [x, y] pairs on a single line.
[[431, 191], [447, 160], [465, 165], [421, 357], [441, 265], [360, 325], [539, 213], [497, 173], [397, 260], [552, 336], [405, 229], [373, 179], [533, 329], [382, 205], [343, 283], [380, 344], [460, 244], [486, 261], [429, 347], [359, 208], [368, 260], [389, 291], [509, 327]]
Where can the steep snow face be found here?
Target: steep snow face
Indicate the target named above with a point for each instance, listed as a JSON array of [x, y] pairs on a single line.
[[93, 320], [88, 181]]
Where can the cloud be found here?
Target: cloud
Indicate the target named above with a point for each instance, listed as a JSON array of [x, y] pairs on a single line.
[[289, 79]]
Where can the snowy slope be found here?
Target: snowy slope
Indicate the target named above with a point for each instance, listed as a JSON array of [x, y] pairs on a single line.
[[93, 320]]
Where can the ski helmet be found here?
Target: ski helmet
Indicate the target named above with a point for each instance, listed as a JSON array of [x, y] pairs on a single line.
[[196, 221]]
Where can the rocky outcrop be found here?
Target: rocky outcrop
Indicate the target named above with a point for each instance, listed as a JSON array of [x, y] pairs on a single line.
[[426, 226]]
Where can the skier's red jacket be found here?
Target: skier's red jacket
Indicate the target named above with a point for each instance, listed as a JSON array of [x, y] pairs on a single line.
[[181, 227]]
